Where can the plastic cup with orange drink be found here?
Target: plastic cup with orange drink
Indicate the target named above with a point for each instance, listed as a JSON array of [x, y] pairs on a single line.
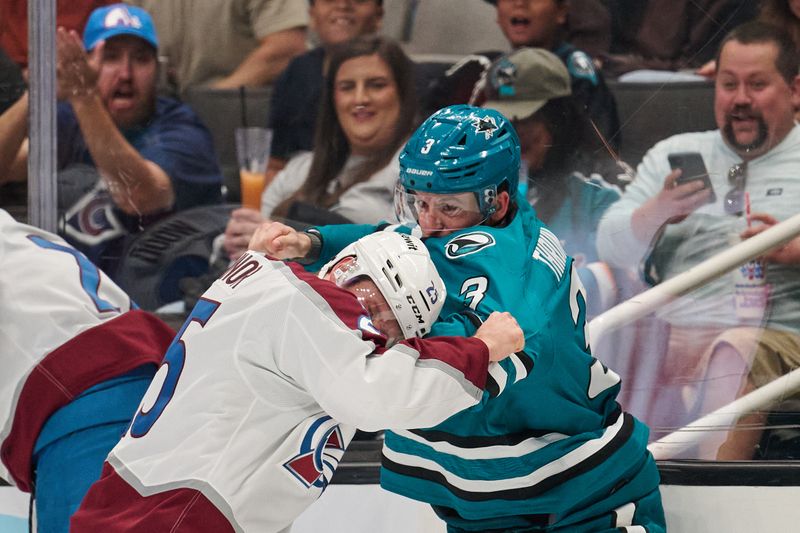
[[252, 150]]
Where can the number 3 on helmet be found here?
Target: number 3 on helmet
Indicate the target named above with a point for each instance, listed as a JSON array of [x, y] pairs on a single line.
[[459, 149]]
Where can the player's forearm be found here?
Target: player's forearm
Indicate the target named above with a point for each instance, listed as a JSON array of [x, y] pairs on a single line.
[[137, 186], [418, 383], [266, 62], [13, 132]]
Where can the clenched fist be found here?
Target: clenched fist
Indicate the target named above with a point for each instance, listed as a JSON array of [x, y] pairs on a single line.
[[502, 335]]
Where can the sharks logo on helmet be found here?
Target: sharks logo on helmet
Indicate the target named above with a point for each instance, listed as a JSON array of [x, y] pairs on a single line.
[[467, 244], [462, 148], [485, 125]]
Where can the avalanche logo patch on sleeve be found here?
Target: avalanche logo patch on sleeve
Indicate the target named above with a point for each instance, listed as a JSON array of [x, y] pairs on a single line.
[[320, 451], [468, 243]]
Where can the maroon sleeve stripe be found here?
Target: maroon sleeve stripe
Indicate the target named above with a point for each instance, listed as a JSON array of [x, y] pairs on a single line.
[[111, 506], [105, 351], [468, 355]]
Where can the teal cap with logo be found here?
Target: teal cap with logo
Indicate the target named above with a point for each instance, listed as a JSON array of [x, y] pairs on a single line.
[[519, 83], [119, 19]]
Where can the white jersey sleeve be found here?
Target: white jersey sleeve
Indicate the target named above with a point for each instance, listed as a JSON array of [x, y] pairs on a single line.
[[259, 393], [49, 293]]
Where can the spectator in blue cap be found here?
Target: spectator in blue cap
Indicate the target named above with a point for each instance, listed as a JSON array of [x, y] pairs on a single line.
[[140, 156]]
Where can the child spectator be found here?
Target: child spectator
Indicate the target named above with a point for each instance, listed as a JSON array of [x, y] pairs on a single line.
[[149, 156], [541, 24]]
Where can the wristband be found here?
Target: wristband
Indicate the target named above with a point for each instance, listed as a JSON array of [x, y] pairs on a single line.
[[312, 256]]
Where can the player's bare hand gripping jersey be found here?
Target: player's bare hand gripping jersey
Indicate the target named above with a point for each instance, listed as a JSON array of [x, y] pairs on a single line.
[[258, 397], [57, 314]]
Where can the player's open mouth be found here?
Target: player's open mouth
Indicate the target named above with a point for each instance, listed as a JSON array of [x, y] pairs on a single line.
[[520, 22]]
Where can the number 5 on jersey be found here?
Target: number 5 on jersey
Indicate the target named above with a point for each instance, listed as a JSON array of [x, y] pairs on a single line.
[[166, 379]]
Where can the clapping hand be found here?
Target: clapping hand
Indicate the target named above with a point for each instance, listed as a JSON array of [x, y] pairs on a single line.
[[76, 70]]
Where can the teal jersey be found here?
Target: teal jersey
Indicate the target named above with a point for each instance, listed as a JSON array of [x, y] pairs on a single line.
[[548, 445], [575, 223], [577, 219]]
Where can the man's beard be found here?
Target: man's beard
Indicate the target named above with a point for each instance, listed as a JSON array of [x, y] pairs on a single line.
[[743, 148]]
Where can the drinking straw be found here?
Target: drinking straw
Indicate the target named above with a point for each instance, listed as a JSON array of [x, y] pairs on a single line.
[[243, 106], [747, 208], [243, 111]]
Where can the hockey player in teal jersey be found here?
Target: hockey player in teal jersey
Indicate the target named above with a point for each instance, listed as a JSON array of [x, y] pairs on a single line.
[[548, 448]]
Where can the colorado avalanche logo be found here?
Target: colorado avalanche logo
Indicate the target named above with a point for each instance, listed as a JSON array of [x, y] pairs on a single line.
[[468, 243], [120, 16], [91, 220], [321, 450]]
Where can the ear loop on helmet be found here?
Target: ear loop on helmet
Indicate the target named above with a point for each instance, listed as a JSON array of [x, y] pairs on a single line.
[[487, 203]]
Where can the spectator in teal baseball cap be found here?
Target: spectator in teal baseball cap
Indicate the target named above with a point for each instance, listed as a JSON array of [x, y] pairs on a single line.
[[119, 19], [127, 156], [121, 42]]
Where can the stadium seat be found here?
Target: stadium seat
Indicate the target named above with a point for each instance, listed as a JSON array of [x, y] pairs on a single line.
[[224, 110], [650, 112], [457, 27], [178, 247]]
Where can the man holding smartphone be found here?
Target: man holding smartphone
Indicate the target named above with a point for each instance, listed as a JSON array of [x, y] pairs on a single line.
[[692, 168], [670, 223]]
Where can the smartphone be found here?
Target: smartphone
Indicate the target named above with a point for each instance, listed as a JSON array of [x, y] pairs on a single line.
[[693, 168]]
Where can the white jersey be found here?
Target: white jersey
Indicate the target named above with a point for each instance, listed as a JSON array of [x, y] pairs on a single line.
[[259, 396], [49, 295]]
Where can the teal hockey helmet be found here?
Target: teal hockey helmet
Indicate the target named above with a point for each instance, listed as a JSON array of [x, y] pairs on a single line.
[[462, 148]]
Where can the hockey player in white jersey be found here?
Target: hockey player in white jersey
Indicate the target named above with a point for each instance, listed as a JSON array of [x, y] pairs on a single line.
[[75, 360], [263, 387]]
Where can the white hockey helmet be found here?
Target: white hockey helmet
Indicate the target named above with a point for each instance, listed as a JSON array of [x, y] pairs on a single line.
[[401, 268]]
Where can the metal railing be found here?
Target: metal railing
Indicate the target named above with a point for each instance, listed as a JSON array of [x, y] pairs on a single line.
[[42, 188], [645, 303]]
